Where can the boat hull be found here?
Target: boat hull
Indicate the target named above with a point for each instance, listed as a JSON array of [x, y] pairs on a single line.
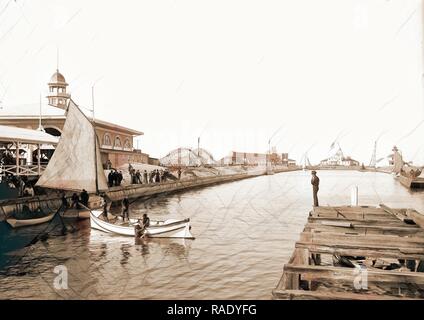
[[76, 213], [412, 183], [15, 223], [158, 229]]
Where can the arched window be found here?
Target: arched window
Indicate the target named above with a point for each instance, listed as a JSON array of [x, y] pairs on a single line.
[[53, 131], [106, 140], [127, 144], [118, 143]]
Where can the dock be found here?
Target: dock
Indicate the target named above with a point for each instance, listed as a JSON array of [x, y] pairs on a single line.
[[356, 253]]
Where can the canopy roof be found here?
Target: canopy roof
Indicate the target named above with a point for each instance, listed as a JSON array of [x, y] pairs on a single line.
[[15, 134]]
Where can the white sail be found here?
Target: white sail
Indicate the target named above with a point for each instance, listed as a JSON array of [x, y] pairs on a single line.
[[76, 163], [397, 161]]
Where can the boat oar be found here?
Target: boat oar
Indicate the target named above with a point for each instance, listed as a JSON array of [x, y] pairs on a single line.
[[64, 228]]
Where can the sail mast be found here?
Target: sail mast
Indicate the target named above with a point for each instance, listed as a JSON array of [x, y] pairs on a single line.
[[95, 159]]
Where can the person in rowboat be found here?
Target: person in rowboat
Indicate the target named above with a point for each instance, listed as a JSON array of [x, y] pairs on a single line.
[[104, 213], [146, 221], [125, 209], [138, 230], [141, 226]]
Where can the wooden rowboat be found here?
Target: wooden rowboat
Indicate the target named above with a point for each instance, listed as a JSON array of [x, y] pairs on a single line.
[[17, 223], [171, 228]]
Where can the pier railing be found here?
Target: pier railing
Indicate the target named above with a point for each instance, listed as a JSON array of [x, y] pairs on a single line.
[[22, 170]]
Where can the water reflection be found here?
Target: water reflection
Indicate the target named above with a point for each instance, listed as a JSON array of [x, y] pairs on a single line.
[[125, 254], [245, 231]]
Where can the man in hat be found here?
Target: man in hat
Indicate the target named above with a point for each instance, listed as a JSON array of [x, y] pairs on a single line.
[[315, 187], [85, 197]]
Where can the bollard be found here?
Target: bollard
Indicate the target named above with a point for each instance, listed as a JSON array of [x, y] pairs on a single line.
[[354, 196]]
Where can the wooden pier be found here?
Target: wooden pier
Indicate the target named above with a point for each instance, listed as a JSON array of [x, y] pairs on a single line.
[[353, 253]]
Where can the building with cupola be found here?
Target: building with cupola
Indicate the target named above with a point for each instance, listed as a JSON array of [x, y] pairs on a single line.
[[339, 160], [116, 141]]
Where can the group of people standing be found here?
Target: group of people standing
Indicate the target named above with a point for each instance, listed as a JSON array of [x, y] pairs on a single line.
[[115, 178], [24, 187], [154, 176], [76, 200]]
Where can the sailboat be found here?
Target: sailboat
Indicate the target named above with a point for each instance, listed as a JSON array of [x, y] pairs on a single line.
[[76, 162]]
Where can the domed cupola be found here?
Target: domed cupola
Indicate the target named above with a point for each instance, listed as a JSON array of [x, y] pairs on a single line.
[[58, 97]]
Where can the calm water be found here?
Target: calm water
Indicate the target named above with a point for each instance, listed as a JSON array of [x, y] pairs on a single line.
[[245, 231]]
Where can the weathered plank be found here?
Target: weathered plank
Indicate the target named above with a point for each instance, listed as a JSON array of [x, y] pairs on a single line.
[[339, 224], [363, 250], [348, 210], [318, 295], [398, 214], [354, 216], [416, 216], [383, 222], [301, 257], [366, 229], [347, 275], [382, 240]]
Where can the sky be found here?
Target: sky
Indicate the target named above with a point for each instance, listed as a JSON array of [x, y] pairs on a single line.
[[236, 73]]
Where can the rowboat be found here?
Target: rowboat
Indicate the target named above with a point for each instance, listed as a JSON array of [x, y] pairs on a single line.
[[171, 228], [17, 223]]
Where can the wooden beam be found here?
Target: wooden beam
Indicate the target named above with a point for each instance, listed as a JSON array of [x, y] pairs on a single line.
[[367, 229], [363, 250], [397, 213], [343, 210], [300, 256], [347, 275], [355, 216], [383, 222], [381, 240], [341, 224], [350, 211], [416, 216], [319, 295]]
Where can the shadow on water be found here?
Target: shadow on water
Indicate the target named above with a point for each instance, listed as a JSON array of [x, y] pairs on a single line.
[[15, 243]]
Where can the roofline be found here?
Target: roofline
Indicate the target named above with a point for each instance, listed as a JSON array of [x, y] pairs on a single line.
[[98, 122], [58, 117], [31, 117]]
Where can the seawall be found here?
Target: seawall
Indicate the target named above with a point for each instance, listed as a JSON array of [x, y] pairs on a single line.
[[137, 191], [52, 202]]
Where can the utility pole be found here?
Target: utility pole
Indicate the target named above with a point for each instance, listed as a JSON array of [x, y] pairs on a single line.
[[92, 93], [40, 126], [373, 161]]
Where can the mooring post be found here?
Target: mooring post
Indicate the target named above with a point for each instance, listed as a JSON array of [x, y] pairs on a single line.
[[354, 196]]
